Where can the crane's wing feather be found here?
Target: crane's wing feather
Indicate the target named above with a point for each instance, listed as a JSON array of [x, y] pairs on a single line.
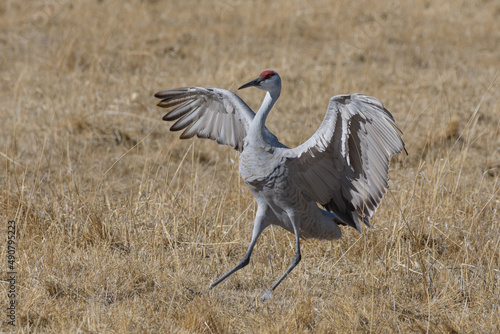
[[212, 113], [344, 166]]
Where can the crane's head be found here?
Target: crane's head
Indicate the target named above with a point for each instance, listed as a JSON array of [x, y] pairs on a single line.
[[268, 80]]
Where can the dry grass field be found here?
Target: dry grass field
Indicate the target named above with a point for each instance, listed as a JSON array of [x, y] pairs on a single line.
[[119, 224]]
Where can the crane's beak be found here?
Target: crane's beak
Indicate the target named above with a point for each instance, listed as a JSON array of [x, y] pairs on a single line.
[[252, 83]]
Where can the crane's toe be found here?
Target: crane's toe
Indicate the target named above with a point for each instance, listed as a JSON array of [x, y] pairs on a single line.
[[267, 295]]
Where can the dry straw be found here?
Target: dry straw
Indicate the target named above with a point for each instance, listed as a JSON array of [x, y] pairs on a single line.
[[120, 224]]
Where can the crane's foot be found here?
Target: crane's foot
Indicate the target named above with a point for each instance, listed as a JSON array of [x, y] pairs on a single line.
[[267, 295]]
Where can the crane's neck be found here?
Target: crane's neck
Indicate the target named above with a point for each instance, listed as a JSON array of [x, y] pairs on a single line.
[[259, 122]]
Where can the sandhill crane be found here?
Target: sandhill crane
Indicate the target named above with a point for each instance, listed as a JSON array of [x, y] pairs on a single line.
[[344, 166]]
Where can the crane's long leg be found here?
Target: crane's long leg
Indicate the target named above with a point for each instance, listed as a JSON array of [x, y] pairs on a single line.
[[261, 222], [295, 260]]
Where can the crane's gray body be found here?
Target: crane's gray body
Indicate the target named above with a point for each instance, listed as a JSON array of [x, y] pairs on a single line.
[[270, 179], [344, 166]]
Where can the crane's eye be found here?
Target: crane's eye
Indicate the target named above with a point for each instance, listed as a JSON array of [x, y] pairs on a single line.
[[269, 76]]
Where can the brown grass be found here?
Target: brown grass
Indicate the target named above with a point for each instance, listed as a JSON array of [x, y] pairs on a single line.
[[120, 223]]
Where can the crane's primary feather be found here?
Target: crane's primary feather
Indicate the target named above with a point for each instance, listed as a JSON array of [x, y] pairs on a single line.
[[211, 113], [344, 166], [207, 113]]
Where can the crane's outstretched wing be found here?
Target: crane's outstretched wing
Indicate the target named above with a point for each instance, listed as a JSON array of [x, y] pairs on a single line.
[[344, 166], [208, 113]]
